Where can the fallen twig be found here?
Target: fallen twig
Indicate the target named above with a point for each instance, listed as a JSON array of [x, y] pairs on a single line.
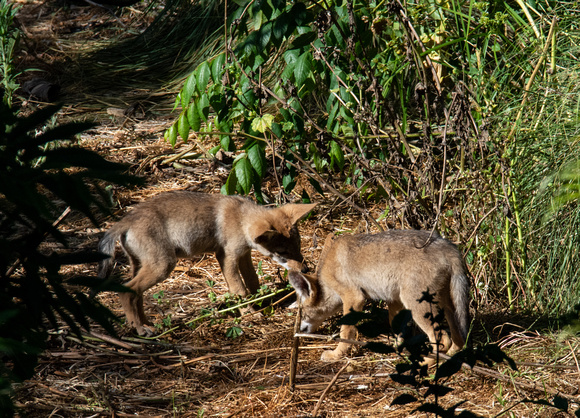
[[334, 379]]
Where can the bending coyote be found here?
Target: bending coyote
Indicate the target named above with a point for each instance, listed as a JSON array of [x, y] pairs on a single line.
[[394, 266], [182, 224]]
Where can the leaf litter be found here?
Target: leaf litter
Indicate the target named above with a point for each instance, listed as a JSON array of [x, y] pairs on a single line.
[[196, 367]]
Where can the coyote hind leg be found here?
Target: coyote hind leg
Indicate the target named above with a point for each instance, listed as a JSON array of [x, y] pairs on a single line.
[[132, 302]]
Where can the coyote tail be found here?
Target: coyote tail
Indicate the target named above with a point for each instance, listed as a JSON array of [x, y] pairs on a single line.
[[107, 247], [460, 296]]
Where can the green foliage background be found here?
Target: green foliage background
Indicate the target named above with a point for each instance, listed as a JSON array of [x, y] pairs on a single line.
[[458, 115]]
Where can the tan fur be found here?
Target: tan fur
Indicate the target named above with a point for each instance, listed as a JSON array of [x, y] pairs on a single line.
[[183, 224], [394, 266]]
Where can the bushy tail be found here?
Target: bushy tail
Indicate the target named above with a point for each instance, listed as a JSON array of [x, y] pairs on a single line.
[[107, 247], [460, 296]]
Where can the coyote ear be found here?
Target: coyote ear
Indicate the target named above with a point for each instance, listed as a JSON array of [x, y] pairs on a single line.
[[291, 214], [303, 284], [296, 211], [265, 236]]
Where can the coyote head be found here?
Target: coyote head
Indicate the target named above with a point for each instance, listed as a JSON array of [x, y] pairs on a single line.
[[318, 303], [276, 235]]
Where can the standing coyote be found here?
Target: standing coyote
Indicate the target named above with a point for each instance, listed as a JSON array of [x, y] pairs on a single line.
[[394, 266], [182, 224]]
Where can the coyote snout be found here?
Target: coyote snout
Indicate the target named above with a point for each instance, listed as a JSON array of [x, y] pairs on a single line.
[[394, 266], [183, 224]]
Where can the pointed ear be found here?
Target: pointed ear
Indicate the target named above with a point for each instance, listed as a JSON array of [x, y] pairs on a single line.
[[304, 284], [263, 232], [296, 211]]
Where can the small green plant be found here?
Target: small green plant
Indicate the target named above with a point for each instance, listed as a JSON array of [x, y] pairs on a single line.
[[9, 36], [164, 324], [211, 295], [159, 296], [234, 331]]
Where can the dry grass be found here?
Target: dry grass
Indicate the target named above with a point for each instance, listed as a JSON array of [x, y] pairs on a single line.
[[197, 370]]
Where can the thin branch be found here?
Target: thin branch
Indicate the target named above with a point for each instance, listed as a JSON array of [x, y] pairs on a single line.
[[334, 379]]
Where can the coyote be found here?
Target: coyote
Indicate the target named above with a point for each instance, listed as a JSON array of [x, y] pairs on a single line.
[[182, 224], [394, 266]]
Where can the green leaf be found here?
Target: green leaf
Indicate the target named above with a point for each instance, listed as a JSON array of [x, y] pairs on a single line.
[[183, 126], [280, 26], [336, 155], [234, 332], [303, 40], [188, 89], [288, 182], [303, 68], [244, 172], [217, 68], [261, 124], [332, 116], [257, 158], [231, 183], [193, 118], [203, 107], [203, 74], [170, 135]]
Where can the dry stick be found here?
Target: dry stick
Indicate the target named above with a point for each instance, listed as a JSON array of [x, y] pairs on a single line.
[[295, 348], [533, 76], [334, 379], [114, 341], [330, 188], [54, 224]]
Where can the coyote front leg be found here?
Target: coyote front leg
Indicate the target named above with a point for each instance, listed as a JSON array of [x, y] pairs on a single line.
[[353, 302], [229, 265]]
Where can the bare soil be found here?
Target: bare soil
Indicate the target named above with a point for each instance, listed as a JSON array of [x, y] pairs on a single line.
[[198, 368]]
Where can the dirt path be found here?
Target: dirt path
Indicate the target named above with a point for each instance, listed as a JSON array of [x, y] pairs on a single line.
[[220, 364]]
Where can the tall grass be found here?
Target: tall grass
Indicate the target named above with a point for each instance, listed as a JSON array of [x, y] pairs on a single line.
[[543, 155], [182, 34]]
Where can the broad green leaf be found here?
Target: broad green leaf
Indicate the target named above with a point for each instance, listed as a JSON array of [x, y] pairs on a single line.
[[203, 74], [280, 26], [203, 107], [217, 68], [288, 182], [193, 118], [303, 68], [261, 124], [332, 116], [303, 40], [227, 143], [188, 89], [183, 126], [229, 187], [170, 135], [257, 158], [336, 155], [244, 173], [265, 35]]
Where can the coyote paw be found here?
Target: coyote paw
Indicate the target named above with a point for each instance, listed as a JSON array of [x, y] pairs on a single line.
[[331, 355], [145, 331]]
